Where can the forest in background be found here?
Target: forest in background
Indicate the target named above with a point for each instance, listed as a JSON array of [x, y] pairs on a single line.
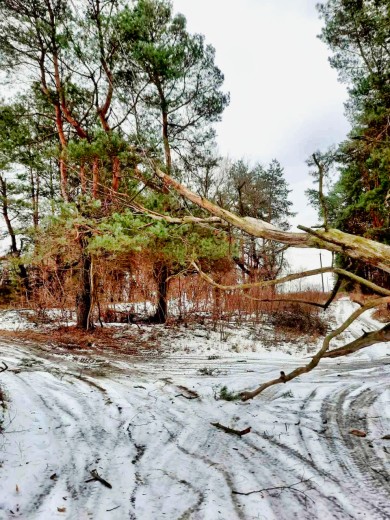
[[114, 91]]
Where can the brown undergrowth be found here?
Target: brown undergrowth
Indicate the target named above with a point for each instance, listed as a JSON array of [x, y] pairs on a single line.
[[131, 341], [382, 314]]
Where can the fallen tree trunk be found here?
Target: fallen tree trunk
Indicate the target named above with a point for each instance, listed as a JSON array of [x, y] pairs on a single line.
[[360, 248]]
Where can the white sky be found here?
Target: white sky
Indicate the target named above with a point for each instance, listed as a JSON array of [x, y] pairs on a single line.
[[286, 101]]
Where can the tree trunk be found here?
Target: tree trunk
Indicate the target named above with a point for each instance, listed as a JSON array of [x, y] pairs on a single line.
[[217, 302], [83, 179], [167, 148], [95, 177], [116, 172], [15, 251], [161, 273], [84, 292]]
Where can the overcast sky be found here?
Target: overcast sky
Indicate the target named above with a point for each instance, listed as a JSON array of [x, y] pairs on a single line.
[[286, 101]]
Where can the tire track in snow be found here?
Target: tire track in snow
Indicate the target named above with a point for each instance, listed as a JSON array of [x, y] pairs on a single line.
[[80, 445], [183, 467]]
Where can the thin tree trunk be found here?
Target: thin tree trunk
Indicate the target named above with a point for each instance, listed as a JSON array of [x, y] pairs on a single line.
[[95, 177], [23, 274], [10, 229], [167, 149], [115, 174], [63, 143], [217, 302], [63, 179], [84, 292], [161, 273], [83, 179]]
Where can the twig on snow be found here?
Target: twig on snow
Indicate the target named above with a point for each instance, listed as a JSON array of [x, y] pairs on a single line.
[[226, 429], [186, 396], [96, 476], [113, 509], [276, 488]]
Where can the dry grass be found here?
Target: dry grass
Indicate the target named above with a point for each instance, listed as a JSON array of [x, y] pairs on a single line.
[[131, 281], [72, 338], [382, 314]]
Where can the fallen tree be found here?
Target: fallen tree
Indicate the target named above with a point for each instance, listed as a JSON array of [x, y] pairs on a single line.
[[356, 247]]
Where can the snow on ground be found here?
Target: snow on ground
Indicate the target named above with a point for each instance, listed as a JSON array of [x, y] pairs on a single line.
[[133, 420]]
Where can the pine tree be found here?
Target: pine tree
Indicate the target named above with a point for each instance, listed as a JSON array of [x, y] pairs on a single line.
[[357, 33]]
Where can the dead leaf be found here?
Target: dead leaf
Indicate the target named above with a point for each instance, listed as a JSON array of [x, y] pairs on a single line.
[[61, 509], [53, 477], [386, 437], [17, 488], [358, 433]]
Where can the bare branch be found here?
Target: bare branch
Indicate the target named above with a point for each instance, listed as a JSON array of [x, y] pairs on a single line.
[[320, 354], [368, 338], [276, 488], [291, 277]]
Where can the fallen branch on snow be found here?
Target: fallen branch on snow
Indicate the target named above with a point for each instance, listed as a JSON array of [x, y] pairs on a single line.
[[277, 488], [320, 354], [368, 339], [96, 476], [226, 429]]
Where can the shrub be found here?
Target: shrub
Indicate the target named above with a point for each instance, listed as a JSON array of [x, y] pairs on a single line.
[[300, 319]]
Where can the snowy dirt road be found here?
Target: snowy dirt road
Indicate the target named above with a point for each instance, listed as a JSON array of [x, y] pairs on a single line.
[[132, 420]]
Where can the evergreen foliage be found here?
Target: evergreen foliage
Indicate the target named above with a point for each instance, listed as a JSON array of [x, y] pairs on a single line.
[[357, 32]]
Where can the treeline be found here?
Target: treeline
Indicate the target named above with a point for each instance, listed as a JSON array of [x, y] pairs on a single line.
[[108, 86], [108, 90], [358, 169]]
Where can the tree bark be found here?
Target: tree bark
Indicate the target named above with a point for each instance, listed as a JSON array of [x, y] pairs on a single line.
[[116, 172], [84, 292], [161, 273]]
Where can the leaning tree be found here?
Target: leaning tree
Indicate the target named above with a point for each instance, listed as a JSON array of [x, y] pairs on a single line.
[[355, 247]]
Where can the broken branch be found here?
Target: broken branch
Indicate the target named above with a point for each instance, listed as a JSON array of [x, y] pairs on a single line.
[[245, 396], [226, 429], [96, 476], [275, 488], [370, 338]]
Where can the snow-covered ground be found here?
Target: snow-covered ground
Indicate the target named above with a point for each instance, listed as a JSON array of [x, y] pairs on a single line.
[[137, 421]]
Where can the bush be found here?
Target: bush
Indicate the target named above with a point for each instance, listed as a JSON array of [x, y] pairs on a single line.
[[300, 319]]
